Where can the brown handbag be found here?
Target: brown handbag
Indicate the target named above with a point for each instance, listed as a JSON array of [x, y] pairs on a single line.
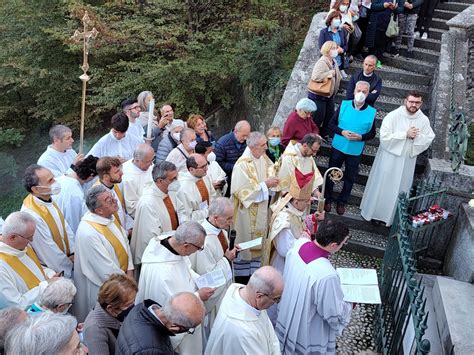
[[322, 88]]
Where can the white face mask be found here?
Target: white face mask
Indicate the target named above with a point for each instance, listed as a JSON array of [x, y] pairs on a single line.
[[343, 8], [192, 144], [211, 157], [175, 136], [359, 97], [174, 186], [55, 188], [334, 53]]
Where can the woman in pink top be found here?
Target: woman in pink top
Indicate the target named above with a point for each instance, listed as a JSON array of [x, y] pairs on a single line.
[[300, 122]]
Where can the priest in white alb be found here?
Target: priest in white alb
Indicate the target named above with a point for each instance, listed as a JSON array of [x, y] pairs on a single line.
[[22, 278], [242, 326], [117, 142], [54, 239], [217, 176], [312, 311], [59, 156], [102, 249], [405, 133], [252, 178], [195, 190], [136, 175], [166, 270], [156, 211], [71, 198]]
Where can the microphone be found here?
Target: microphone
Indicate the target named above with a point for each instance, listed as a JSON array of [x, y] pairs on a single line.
[[232, 236]]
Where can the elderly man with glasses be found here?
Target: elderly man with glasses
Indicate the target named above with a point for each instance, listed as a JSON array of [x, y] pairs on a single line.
[[166, 270]]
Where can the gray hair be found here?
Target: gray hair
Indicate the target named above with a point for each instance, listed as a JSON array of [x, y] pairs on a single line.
[[219, 205], [17, 223], [47, 333], [160, 170], [174, 315], [189, 232], [92, 196], [58, 132], [362, 82], [142, 98], [254, 138], [185, 133], [241, 124], [310, 139], [264, 280], [59, 292], [141, 151], [306, 105], [9, 317], [371, 56]]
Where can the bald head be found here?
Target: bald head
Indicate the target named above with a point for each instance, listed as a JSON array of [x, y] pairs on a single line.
[[242, 131], [197, 165], [184, 309], [267, 280], [143, 156]]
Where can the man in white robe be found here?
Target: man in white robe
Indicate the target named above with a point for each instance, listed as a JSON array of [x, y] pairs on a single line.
[[110, 172], [54, 239], [136, 175], [101, 249], [71, 198], [217, 176], [166, 270], [405, 133], [252, 177], [312, 311], [132, 109], [179, 154], [59, 156], [195, 190], [117, 142], [156, 212], [242, 326], [22, 278]]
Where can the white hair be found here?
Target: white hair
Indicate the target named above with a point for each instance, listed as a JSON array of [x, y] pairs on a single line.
[[254, 138], [45, 334], [141, 151], [241, 124], [9, 317], [57, 293], [142, 98], [189, 232], [362, 82], [219, 205], [306, 105], [17, 223]]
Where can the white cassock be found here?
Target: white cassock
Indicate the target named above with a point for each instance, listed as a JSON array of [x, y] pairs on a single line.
[[190, 203], [95, 261], [216, 174], [109, 146], [136, 129], [394, 164], [164, 274], [291, 159], [43, 243], [178, 157], [71, 200], [240, 329], [151, 219], [312, 311], [14, 291], [134, 180], [57, 162]]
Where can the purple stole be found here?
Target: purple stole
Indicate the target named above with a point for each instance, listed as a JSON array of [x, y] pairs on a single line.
[[310, 252]]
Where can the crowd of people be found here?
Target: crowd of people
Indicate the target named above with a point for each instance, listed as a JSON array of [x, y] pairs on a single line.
[[106, 254]]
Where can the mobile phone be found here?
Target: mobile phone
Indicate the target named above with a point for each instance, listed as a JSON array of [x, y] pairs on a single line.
[[61, 274]]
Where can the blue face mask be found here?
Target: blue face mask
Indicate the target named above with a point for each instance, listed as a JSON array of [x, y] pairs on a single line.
[[274, 141], [336, 23]]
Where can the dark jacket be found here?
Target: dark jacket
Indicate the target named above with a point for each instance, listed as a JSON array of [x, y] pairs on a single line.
[[379, 19], [375, 84], [100, 331], [326, 35], [143, 334], [334, 124], [416, 7], [209, 135], [281, 149], [227, 151]]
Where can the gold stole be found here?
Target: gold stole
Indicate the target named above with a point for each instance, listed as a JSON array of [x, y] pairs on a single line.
[[113, 240], [202, 188], [22, 270], [172, 212], [44, 213], [122, 201]]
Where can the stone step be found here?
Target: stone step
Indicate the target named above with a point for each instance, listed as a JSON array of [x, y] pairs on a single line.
[[395, 88], [468, 2], [431, 44], [435, 33], [367, 160], [356, 194], [419, 66], [421, 54], [366, 243], [457, 6], [383, 103], [439, 23], [444, 14]]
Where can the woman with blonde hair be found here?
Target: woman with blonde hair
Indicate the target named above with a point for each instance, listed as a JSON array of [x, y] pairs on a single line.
[[197, 123]]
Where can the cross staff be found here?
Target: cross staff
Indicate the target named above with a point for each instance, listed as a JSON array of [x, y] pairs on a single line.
[[77, 37]]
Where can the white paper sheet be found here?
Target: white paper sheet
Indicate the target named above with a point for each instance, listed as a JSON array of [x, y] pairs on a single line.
[[362, 294], [212, 279], [251, 244], [357, 276]]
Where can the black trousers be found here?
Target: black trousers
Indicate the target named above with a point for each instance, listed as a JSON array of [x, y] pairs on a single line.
[[323, 114]]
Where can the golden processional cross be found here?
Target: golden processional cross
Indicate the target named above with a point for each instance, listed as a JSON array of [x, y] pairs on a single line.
[[86, 36]]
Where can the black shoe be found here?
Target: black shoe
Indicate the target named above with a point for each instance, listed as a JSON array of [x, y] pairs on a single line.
[[340, 209], [410, 54], [328, 206]]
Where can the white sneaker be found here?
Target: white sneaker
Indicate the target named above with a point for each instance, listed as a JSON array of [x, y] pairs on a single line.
[[425, 36], [417, 34]]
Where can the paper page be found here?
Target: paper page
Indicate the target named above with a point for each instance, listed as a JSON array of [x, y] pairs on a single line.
[[212, 279], [361, 294], [251, 244], [351, 276]]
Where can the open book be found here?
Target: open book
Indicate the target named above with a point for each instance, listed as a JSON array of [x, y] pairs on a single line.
[[359, 285]]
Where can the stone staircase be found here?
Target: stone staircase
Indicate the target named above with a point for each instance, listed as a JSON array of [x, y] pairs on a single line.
[[400, 75]]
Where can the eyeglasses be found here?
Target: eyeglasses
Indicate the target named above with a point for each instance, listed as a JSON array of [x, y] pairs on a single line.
[[197, 247], [415, 102], [205, 166], [274, 299], [30, 239], [183, 329], [109, 200], [137, 107]]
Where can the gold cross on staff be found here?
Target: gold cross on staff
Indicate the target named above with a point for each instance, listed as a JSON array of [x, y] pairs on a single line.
[[86, 36]]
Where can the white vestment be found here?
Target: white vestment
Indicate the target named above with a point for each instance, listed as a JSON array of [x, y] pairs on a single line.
[[109, 146], [151, 220], [240, 329], [312, 311], [134, 180], [43, 243], [215, 173], [162, 275], [57, 162], [190, 205], [394, 164], [178, 157], [13, 289], [95, 261], [71, 200], [136, 129]]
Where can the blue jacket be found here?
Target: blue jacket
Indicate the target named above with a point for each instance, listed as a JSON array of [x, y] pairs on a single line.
[[227, 151], [375, 84], [379, 19]]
